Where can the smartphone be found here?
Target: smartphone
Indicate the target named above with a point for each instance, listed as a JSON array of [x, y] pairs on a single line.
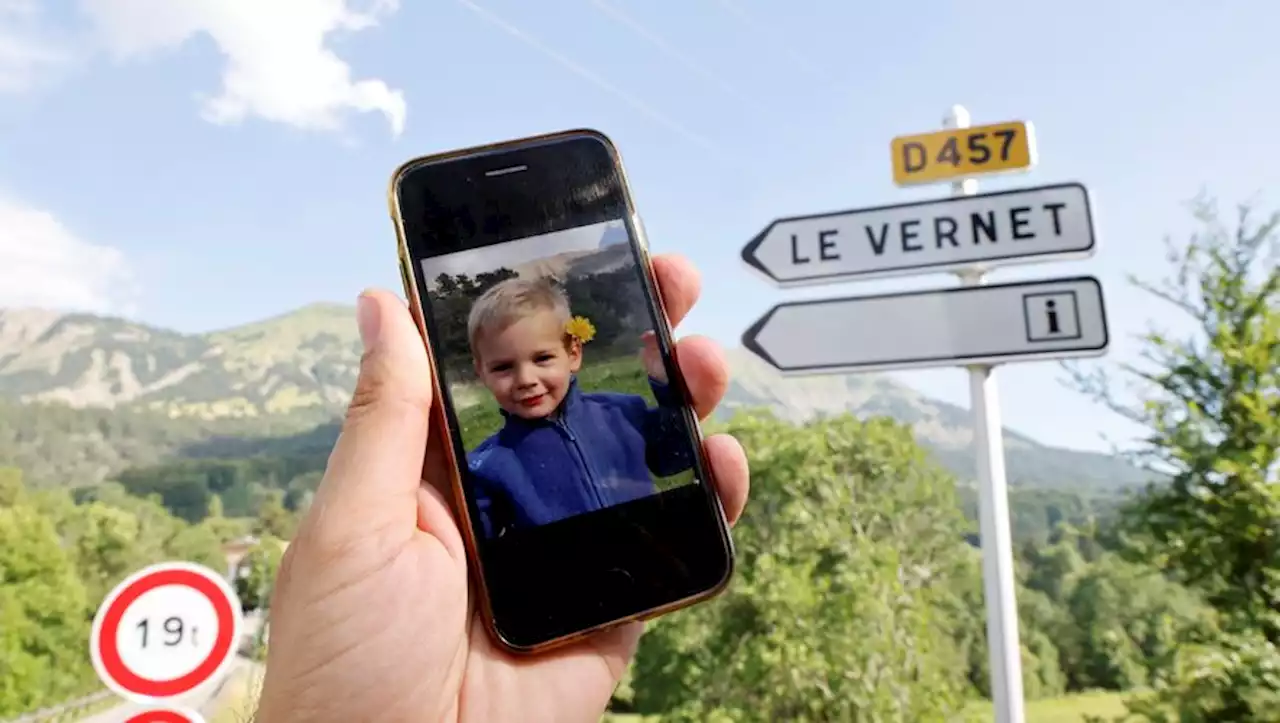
[[579, 477]]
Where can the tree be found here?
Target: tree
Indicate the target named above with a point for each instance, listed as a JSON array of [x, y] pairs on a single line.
[[216, 511], [451, 302], [200, 544], [1127, 621], [842, 606], [1236, 678], [274, 519], [43, 626], [255, 576], [11, 487], [58, 559], [107, 545], [1212, 412]]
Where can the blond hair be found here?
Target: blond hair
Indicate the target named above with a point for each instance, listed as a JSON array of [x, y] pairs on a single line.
[[511, 300]]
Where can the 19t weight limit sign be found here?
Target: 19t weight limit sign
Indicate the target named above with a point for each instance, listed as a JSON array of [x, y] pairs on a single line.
[[165, 631]]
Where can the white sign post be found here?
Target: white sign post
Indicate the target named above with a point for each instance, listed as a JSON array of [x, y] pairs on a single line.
[[1003, 647], [974, 325]]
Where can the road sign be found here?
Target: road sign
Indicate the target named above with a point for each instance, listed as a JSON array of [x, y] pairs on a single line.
[[166, 715], [1026, 225], [164, 631], [960, 152], [1024, 321]]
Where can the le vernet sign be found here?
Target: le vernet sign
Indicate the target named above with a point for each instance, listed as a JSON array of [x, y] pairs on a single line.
[[1023, 225]]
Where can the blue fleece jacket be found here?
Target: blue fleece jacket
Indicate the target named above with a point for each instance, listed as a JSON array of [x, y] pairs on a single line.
[[597, 451]]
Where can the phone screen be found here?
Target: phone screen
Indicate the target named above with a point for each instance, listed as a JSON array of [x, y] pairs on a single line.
[[583, 476]]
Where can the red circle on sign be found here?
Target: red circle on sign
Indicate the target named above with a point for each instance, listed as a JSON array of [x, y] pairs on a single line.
[[113, 665], [160, 716]]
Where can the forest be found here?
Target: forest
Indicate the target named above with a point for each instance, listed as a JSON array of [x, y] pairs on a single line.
[[858, 593]]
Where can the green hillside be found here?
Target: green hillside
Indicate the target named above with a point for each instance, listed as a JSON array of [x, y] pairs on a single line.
[[89, 396]]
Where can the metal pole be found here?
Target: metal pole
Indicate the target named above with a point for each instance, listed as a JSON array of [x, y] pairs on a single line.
[[1003, 648]]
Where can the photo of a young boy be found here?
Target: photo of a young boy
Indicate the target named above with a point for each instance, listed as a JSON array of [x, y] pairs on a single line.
[[561, 451]]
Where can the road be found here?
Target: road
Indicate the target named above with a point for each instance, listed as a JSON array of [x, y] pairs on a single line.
[[203, 700]]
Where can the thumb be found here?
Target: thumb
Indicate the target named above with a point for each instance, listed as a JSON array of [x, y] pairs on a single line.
[[372, 478]]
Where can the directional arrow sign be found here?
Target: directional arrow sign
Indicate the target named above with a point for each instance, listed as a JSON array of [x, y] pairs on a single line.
[[1000, 323], [1046, 223]]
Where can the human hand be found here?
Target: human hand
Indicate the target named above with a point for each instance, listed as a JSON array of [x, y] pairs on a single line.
[[371, 617], [651, 357]]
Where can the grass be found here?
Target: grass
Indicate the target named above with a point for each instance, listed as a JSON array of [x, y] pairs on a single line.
[[1064, 709], [238, 699], [481, 417]]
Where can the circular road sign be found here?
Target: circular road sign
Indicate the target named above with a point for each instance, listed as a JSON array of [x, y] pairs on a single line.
[[165, 715], [164, 631]]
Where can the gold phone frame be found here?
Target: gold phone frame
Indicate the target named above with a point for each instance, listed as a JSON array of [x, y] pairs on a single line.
[[439, 420]]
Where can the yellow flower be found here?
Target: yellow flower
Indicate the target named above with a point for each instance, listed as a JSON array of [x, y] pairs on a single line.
[[580, 328]]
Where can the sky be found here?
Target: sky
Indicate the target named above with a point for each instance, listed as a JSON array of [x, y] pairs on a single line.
[[207, 163]]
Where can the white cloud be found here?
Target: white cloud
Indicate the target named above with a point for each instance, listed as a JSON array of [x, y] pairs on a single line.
[[43, 264], [28, 52], [278, 66]]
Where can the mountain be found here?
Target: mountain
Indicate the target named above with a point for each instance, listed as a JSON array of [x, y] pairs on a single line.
[[90, 395], [301, 364], [613, 235], [945, 429]]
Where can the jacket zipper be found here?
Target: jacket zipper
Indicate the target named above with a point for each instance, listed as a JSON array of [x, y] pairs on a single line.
[[583, 462]]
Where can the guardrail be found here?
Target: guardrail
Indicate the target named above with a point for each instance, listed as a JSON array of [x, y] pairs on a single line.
[[69, 711]]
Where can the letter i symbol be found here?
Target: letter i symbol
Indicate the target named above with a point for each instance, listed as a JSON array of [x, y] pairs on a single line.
[[1052, 314]]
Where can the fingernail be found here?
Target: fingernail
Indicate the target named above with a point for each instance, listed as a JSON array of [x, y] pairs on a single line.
[[368, 319]]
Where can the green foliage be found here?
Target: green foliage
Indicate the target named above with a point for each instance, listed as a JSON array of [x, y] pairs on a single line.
[[274, 521], [1213, 419], [58, 559], [43, 628], [1236, 678], [1040, 619], [451, 302], [255, 576], [188, 487], [55, 445], [842, 608], [12, 488], [1127, 622], [1035, 512]]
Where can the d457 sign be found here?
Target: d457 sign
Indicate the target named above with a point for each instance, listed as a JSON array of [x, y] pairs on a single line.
[[960, 152]]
